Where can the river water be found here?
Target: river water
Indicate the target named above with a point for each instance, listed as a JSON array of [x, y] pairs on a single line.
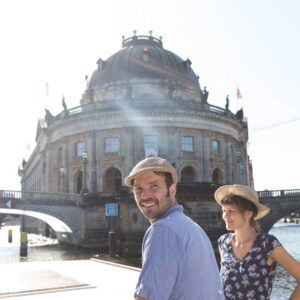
[[45, 249]]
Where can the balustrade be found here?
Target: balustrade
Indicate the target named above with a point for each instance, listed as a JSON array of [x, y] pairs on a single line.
[[188, 188], [279, 193], [25, 195]]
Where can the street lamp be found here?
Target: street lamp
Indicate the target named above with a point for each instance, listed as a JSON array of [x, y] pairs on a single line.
[[62, 171], [84, 174]]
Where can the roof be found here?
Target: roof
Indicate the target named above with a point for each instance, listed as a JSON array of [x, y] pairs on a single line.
[[143, 57]]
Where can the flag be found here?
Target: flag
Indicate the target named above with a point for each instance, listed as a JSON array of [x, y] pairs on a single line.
[[10, 204], [238, 93], [46, 89]]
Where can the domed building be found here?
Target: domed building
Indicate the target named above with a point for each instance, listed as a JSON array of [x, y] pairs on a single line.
[[143, 100]]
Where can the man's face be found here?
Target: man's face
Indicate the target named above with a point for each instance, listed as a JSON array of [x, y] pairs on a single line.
[[151, 195]]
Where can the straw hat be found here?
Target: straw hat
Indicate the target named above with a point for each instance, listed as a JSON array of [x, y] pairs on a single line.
[[243, 191], [151, 164]]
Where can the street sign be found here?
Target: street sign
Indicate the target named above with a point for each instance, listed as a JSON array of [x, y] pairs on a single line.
[[111, 209]]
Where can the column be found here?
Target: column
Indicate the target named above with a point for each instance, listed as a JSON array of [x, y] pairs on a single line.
[[206, 157], [228, 160], [199, 148], [66, 166], [171, 149], [129, 151], [48, 174], [92, 161]]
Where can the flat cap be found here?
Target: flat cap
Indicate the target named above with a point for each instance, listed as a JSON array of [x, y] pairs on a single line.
[[151, 164]]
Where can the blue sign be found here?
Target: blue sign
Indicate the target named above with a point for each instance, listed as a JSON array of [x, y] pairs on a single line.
[[111, 209]]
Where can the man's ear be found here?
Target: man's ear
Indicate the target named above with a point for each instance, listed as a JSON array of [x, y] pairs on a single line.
[[172, 190]]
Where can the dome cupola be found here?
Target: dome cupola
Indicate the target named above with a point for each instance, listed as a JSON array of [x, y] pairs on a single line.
[[142, 69]]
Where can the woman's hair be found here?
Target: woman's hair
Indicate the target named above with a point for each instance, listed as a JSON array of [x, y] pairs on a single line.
[[243, 205]]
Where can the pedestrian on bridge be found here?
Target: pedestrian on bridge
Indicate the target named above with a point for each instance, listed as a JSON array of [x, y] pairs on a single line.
[[178, 262], [249, 257]]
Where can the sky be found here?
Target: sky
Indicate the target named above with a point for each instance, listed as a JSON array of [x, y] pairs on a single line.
[[251, 44]]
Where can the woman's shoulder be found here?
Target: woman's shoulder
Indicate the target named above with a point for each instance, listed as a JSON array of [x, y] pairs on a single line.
[[269, 240], [267, 237], [225, 238]]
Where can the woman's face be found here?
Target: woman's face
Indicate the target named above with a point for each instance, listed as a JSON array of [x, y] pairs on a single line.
[[235, 219]]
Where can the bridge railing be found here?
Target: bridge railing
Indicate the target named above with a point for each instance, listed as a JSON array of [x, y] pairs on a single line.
[[25, 195], [279, 193]]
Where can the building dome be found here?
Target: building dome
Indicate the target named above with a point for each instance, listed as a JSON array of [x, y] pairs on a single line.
[[143, 57], [142, 60]]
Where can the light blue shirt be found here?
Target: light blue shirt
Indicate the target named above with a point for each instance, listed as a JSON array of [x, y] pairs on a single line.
[[178, 262]]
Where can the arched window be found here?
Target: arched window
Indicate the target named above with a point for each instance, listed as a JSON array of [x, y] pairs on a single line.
[[187, 174], [113, 180], [217, 176]]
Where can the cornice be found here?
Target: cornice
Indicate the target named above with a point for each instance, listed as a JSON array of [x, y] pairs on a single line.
[[140, 115]]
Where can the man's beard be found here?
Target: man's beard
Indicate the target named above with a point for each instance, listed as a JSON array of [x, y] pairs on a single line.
[[159, 207]]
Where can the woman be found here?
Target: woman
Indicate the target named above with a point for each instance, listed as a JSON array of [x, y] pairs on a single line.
[[249, 257]]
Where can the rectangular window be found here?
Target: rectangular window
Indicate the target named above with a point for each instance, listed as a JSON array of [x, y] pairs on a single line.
[[187, 143], [216, 147], [150, 145], [112, 145], [79, 148], [238, 156]]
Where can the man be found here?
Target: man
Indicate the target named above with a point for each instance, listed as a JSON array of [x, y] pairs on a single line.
[[178, 261]]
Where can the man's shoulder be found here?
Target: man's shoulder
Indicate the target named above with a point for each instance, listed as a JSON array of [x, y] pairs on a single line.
[[180, 225], [174, 218]]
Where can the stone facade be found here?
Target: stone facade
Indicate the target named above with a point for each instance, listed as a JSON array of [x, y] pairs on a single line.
[[224, 165]]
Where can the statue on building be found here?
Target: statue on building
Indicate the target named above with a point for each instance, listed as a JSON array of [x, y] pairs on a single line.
[[240, 114], [23, 162], [87, 81], [227, 103], [64, 103], [204, 95]]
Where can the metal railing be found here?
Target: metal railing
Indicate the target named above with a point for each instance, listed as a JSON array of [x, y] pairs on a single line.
[[279, 193], [217, 109], [25, 195], [183, 189], [111, 104]]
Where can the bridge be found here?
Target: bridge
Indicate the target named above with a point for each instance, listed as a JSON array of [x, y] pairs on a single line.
[[70, 215], [60, 211], [281, 202]]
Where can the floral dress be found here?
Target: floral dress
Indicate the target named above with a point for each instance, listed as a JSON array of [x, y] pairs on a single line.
[[248, 277]]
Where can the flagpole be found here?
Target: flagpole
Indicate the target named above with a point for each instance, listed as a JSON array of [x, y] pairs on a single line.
[[238, 96]]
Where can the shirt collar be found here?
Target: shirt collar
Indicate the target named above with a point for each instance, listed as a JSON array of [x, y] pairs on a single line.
[[172, 209]]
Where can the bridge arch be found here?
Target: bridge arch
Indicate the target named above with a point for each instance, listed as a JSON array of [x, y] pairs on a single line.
[[65, 233], [281, 203]]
